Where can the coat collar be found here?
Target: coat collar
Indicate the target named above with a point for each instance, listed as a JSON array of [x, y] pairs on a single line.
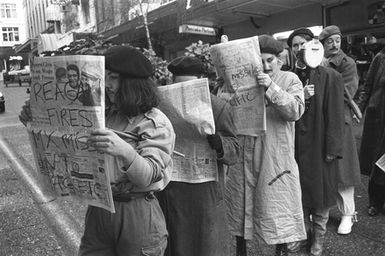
[[336, 60]]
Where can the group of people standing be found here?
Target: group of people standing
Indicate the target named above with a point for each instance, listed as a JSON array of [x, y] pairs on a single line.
[[279, 185]]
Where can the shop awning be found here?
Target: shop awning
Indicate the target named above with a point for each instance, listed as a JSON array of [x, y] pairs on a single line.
[[26, 47], [52, 42]]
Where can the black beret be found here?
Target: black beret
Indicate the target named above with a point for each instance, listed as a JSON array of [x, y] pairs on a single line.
[[268, 44], [186, 66], [299, 31], [128, 61], [329, 31]]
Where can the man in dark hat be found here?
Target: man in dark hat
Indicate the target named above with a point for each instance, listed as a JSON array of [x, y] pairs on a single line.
[[319, 139], [349, 167], [195, 212], [263, 193]]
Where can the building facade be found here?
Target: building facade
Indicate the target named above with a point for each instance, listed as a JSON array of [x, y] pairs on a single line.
[[12, 27], [235, 18], [55, 23]]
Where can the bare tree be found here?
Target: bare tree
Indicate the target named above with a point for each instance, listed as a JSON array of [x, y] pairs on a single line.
[[144, 8]]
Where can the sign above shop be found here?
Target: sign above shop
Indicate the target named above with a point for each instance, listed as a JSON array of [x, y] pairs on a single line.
[[194, 29]]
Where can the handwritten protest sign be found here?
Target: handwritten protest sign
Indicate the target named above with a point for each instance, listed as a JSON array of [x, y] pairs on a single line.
[[67, 103], [237, 62], [188, 106]]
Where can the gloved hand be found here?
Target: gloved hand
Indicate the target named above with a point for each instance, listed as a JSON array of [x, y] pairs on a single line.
[[215, 142]]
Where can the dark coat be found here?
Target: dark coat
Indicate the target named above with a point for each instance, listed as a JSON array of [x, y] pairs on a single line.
[[195, 212], [371, 97], [349, 166], [320, 132]]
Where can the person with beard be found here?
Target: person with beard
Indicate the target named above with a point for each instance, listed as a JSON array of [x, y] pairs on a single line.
[[263, 193], [349, 170], [318, 142]]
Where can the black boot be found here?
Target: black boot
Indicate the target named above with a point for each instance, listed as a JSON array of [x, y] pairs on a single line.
[[241, 246], [281, 250], [317, 243]]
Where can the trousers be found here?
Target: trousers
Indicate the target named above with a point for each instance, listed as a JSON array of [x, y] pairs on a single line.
[[136, 228], [345, 200], [316, 219]]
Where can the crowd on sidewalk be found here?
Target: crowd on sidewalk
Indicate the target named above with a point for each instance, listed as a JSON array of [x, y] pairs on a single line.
[[279, 185]]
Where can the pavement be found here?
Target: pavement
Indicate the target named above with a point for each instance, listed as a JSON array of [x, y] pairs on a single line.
[[34, 223]]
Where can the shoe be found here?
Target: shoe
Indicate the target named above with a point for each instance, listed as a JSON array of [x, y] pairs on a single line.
[[372, 211], [281, 250], [297, 246], [346, 224]]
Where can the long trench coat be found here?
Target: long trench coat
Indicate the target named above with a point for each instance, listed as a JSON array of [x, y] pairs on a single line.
[[319, 132], [263, 193], [349, 166], [371, 96]]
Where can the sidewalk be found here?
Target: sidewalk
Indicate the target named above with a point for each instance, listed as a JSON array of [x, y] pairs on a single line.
[[25, 231], [367, 237], [32, 224]]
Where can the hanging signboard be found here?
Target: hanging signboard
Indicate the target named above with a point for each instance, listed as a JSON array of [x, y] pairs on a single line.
[[194, 29]]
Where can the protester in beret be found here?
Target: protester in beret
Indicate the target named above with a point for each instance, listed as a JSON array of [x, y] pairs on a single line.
[[195, 212], [139, 166], [318, 142], [263, 193], [348, 172], [371, 97]]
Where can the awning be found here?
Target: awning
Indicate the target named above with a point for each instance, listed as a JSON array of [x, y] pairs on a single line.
[[52, 42], [26, 47]]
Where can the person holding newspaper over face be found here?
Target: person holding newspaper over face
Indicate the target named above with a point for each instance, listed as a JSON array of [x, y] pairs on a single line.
[[349, 167], [195, 212], [139, 141], [319, 136], [263, 193]]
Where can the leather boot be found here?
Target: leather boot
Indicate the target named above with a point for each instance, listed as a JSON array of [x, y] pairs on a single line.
[[320, 218], [317, 243], [297, 246], [281, 250], [241, 246]]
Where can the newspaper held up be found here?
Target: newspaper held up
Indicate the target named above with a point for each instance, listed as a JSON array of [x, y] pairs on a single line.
[[237, 62], [67, 103], [188, 106]]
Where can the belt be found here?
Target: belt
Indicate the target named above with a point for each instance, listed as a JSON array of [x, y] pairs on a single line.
[[133, 195]]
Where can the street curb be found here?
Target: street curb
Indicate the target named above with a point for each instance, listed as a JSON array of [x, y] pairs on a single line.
[[65, 228]]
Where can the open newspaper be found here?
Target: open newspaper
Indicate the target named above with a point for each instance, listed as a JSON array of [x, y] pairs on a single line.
[[67, 103], [188, 106], [237, 62]]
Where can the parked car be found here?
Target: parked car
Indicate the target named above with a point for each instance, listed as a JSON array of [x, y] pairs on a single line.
[[17, 76], [2, 103]]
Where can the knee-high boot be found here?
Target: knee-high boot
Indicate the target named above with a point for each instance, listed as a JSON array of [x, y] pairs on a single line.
[[320, 219]]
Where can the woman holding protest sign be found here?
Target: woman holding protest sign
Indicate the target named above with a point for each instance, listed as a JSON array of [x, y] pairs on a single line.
[[139, 140]]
